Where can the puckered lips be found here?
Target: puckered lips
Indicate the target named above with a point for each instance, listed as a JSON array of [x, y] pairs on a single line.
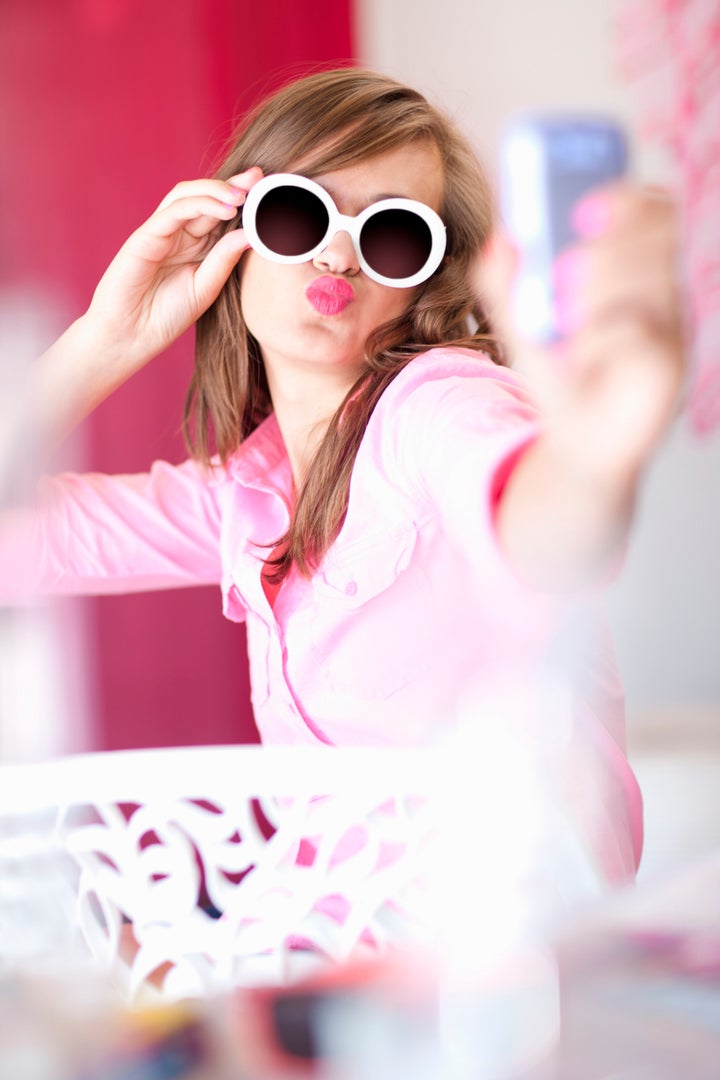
[[330, 295]]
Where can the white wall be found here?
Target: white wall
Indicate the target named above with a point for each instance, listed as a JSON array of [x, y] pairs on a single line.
[[483, 60]]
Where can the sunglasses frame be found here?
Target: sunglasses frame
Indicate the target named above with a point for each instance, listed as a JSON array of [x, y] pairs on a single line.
[[338, 222]]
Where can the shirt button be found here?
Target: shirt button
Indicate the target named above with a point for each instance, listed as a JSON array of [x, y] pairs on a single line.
[[351, 588]]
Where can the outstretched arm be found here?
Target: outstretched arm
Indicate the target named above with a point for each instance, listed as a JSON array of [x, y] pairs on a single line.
[[610, 390]]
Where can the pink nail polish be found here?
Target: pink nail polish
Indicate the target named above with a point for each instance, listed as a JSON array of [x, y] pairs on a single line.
[[592, 215]]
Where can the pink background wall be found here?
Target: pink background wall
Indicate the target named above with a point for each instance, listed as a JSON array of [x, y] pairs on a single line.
[[104, 106]]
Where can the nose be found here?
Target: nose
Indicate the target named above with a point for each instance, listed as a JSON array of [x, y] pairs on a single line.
[[339, 257]]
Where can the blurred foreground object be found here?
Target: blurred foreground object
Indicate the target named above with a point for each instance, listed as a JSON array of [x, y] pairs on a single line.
[[197, 873], [44, 709], [232, 865], [281, 986], [238, 865], [639, 998], [669, 50]]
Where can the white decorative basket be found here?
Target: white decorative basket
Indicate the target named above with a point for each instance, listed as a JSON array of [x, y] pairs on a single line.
[[233, 864]]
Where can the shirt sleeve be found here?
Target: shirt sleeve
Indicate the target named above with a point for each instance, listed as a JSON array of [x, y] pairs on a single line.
[[459, 440], [97, 534]]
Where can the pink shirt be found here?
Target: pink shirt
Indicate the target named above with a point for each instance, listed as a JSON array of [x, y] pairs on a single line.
[[412, 613]]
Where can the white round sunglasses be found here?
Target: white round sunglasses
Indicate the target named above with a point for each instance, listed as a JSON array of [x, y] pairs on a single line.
[[290, 219]]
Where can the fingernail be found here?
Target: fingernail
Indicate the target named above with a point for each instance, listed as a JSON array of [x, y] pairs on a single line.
[[592, 215], [240, 192]]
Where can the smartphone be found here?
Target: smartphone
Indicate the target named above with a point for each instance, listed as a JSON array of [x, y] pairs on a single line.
[[547, 163]]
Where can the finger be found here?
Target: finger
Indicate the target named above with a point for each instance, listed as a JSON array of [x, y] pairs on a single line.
[[210, 187], [629, 339], [620, 204], [631, 258], [247, 179], [218, 264], [588, 282], [198, 217], [231, 190]]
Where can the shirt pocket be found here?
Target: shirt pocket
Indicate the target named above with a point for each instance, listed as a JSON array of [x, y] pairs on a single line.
[[370, 637], [354, 573]]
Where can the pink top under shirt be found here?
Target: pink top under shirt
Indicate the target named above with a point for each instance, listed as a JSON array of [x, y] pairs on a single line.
[[412, 613]]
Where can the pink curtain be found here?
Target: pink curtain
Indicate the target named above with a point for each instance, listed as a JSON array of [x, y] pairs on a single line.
[[104, 105]]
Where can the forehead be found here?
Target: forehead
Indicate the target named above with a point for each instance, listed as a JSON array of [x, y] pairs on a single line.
[[411, 170]]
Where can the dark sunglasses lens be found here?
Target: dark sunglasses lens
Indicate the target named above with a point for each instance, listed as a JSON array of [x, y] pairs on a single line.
[[396, 243], [290, 220]]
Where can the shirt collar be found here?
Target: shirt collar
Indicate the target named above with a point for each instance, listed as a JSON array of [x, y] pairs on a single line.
[[261, 461]]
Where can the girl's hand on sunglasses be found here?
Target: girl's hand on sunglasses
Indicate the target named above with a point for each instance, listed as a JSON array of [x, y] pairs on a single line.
[[170, 270]]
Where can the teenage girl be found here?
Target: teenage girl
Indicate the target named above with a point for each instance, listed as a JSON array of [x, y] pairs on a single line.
[[371, 484]]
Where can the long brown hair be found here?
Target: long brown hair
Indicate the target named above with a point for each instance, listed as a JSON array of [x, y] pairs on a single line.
[[330, 120]]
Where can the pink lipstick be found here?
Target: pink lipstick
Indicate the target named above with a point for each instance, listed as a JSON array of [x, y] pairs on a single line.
[[330, 295]]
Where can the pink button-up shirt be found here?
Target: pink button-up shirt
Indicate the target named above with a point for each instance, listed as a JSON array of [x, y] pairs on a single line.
[[413, 616]]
